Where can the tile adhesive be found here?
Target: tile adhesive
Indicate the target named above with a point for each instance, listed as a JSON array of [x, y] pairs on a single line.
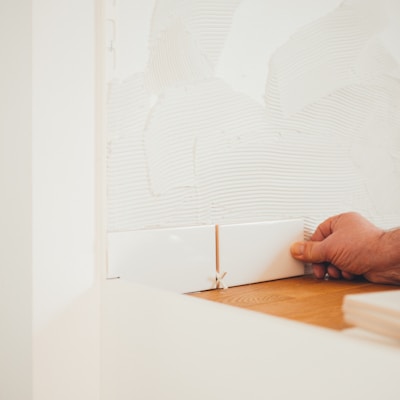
[[233, 121]]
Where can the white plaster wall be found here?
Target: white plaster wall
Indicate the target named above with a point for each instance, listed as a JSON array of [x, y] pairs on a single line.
[[49, 286], [65, 280], [250, 110], [15, 201]]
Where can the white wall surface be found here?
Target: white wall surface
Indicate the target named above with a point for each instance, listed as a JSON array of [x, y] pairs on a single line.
[[15, 200], [49, 287], [65, 279], [250, 110]]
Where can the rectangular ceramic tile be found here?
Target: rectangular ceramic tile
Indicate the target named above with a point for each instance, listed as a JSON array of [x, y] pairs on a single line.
[[377, 312], [179, 259], [258, 252]]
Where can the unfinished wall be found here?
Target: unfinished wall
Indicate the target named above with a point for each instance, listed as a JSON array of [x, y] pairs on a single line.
[[239, 111]]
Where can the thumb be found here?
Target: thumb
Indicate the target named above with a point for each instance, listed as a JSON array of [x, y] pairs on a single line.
[[310, 252]]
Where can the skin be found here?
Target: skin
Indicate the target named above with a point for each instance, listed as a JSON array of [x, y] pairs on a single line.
[[347, 246]]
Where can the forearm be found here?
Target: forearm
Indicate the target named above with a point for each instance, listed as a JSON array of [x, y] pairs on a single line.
[[386, 268], [391, 247]]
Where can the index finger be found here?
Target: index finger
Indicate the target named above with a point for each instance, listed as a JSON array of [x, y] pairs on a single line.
[[323, 230]]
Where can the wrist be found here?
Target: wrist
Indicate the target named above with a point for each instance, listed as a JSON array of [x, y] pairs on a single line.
[[386, 268], [390, 247]]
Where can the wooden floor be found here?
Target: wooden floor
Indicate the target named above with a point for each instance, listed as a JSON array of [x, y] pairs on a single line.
[[305, 299]]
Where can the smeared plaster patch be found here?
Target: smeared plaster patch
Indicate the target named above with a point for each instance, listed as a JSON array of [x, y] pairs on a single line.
[[346, 112], [207, 153], [321, 57], [208, 20], [206, 109], [283, 175], [391, 33], [127, 106], [127, 176], [175, 59], [374, 61], [376, 157], [259, 28], [132, 32]]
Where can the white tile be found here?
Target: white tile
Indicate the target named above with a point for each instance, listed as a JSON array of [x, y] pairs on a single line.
[[377, 312], [259, 252], [180, 259]]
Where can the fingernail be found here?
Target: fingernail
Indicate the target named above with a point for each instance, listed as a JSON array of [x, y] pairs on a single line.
[[297, 249]]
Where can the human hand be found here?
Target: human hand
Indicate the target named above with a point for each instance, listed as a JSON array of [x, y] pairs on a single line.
[[348, 245]]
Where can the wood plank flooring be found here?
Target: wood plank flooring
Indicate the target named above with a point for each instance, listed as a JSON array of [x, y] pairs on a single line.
[[305, 299]]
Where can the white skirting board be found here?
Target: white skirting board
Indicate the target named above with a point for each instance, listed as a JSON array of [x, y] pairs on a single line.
[[193, 258], [181, 259], [259, 252]]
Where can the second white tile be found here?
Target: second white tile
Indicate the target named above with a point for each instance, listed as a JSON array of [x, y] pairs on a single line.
[[258, 252]]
